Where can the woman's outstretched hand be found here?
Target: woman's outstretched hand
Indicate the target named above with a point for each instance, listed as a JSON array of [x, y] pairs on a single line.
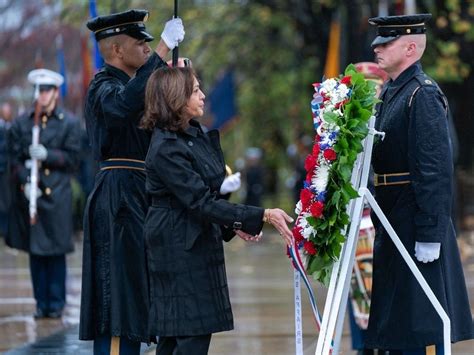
[[248, 237], [279, 219]]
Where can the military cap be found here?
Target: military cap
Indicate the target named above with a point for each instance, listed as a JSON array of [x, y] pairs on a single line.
[[390, 28], [45, 79], [131, 23]]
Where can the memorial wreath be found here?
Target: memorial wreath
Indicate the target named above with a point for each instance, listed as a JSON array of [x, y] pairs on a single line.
[[341, 108]]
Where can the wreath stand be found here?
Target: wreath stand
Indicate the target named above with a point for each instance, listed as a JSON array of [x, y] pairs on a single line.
[[336, 301]]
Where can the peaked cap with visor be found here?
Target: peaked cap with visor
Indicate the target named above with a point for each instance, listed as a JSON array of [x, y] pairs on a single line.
[[389, 28], [131, 23]]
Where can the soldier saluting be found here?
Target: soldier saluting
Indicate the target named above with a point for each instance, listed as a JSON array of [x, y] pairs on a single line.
[[413, 185], [114, 305], [49, 236]]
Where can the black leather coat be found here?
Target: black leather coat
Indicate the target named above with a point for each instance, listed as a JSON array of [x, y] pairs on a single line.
[[115, 295], [184, 230], [413, 116], [52, 233]]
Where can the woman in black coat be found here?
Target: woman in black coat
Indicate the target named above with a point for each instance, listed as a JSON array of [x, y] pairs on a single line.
[[189, 218]]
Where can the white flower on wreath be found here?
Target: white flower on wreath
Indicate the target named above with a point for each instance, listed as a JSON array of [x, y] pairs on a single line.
[[298, 208], [328, 85], [306, 229], [321, 177], [341, 92]]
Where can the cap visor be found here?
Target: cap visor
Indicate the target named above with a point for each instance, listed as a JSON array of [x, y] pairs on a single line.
[[382, 40], [140, 35], [148, 37]]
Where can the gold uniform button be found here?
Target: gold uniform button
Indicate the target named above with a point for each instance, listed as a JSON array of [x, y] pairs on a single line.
[[47, 191], [46, 172], [44, 119]]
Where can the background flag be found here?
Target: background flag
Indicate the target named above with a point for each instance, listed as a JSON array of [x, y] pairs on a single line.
[[87, 71], [222, 101], [61, 64], [98, 61], [331, 69]]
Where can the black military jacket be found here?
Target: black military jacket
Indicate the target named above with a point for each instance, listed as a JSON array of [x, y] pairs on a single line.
[[114, 107], [413, 116], [114, 298], [52, 233], [183, 229]]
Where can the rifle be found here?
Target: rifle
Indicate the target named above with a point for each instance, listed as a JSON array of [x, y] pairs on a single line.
[[35, 131]]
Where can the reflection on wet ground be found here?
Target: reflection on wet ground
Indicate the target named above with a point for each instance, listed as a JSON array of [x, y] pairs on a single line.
[[261, 287]]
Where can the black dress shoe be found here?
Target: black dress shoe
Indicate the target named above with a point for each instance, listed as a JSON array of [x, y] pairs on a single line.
[[55, 314], [39, 314]]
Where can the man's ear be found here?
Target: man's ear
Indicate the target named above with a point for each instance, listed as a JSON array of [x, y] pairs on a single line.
[[411, 49], [117, 50]]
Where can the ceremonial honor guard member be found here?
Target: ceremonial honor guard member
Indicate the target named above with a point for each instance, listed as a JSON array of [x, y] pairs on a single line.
[[47, 234], [413, 185], [115, 299]]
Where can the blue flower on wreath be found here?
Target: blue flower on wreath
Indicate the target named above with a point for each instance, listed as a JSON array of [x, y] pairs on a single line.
[[321, 196]]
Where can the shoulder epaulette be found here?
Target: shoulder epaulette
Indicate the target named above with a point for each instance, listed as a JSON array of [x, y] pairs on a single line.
[[424, 80]]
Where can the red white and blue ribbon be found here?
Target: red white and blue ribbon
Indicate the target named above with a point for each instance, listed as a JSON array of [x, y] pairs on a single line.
[[300, 274], [298, 265]]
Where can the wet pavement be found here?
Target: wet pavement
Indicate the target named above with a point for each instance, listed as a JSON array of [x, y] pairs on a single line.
[[261, 287]]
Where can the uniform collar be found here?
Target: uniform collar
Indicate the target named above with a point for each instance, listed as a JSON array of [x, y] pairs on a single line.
[[55, 113], [118, 73], [407, 74], [394, 86]]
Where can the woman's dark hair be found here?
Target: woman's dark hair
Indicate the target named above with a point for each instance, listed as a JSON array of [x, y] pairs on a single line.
[[167, 93]]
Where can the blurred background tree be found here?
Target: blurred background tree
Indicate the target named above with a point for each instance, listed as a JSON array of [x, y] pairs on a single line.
[[275, 50]]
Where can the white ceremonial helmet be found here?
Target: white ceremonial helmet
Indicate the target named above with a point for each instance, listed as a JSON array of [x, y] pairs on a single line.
[[46, 77]]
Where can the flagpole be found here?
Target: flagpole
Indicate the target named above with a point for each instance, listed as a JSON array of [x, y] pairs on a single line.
[[176, 49]]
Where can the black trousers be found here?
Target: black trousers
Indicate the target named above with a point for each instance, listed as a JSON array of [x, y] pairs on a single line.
[[48, 274], [196, 345]]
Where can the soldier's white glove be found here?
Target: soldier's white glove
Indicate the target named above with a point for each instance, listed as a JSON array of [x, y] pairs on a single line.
[[230, 184], [27, 191], [38, 152], [427, 252], [173, 33]]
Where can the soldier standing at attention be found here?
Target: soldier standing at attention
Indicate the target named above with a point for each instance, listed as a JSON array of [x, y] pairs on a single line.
[[413, 185], [49, 238], [115, 299]]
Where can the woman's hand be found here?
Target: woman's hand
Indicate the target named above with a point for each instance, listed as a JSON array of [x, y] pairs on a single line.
[[249, 237], [279, 219]]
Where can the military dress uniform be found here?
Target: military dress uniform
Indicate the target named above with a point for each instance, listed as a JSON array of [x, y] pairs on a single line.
[[51, 237], [413, 186], [185, 227], [5, 190], [115, 293]]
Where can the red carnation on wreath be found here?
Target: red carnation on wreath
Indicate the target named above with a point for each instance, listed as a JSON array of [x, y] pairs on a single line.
[[330, 154], [346, 80], [316, 209], [316, 149], [310, 163], [309, 247], [297, 234], [305, 197]]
